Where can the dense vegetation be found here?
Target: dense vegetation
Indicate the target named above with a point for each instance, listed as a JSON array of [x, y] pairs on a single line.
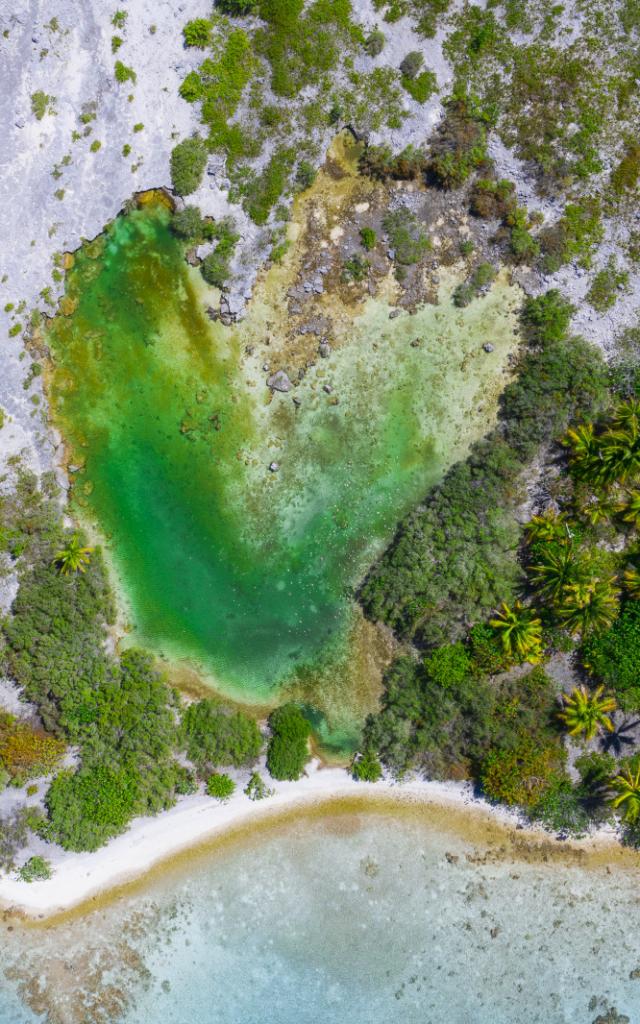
[[472, 708], [455, 557], [117, 713], [288, 749]]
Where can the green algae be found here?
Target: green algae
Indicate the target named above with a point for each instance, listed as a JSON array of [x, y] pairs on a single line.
[[245, 573]]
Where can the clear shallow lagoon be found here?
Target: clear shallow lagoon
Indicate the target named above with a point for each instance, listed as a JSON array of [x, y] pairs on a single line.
[[248, 573], [349, 916]]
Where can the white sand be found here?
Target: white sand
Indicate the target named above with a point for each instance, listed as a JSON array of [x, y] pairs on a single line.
[[78, 877]]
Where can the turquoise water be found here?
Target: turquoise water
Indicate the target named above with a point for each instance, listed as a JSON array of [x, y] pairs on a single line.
[[351, 917]]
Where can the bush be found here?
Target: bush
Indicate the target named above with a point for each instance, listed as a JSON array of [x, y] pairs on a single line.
[[123, 73], [411, 64], [422, 87], [188, 223], [36, 869], [288, 752], [220, 786], [88, 807], [454, 559], [405, 236], [27, 753], [256, 788], [368, 238], [613, 657], [214, 736], [237, 7], [521, 775], [188, 161], [215, 267], [197, 33], [374, 43], [460, 144], [41, 104], [366, 768]]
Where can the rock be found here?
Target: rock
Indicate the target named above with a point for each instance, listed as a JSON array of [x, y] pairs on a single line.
[[391, 254], [274, 467], [20, 122], [279, 381], [266, 367], [416, 343], [297, 402], [488, 347], [452, 858], [394, 313], [327, 388], [318, 286], [324, 349], [307, 286]]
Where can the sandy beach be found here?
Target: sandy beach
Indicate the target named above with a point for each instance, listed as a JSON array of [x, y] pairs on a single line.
[[78, 877]]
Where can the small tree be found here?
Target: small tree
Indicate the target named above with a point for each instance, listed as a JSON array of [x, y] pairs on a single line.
[[256, 788], [36, 869], [220, 786], [197, 33], [187, 223], [188, 161], [288, 751], [411, 64], [366, 767], [374, 43], [520, 631]]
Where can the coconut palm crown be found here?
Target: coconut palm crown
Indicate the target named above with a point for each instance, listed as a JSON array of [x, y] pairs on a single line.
[[74, 557], [587, 713]]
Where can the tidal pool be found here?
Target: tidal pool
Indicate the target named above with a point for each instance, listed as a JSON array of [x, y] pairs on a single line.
[[358, 912], [246, 573]]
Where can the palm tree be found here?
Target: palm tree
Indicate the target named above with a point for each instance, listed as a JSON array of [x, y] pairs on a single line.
[[586, 712], [627, 786], [549, 526], [631, 583], [627, 415], [619, 456], [520, 631], [556, 571], [74, 557], [598, 509], [590, 606], [583, 443], [630, 508]]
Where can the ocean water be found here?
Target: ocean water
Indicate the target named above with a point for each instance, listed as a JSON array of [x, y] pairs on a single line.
[[246, 573], [358, 913]]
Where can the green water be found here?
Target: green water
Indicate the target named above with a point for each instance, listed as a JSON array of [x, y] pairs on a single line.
[[249, 574]]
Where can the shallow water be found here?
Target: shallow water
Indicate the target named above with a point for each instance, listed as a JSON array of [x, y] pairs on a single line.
[[245, 572], [350, 916]]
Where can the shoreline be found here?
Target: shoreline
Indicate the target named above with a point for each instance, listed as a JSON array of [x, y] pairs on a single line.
[[79, 879]]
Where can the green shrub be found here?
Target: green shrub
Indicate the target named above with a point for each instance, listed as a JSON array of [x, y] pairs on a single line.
[[405, 236], [411, 64], [215, 267], [454, 559], [305, 175], [368, 238], [607, 285], [237, 7], [366, 768], [188, 223], [613, 657], [521, 775], [119, 19], [88, 807], [422, 87], [197, 33], [256, 788], [460, 144], [188, 161], [374, 43], [288, 752], [41, 104], [192, 88], [220, 786], [355, 268], [213, 736], [36, 869], [124, 73]]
